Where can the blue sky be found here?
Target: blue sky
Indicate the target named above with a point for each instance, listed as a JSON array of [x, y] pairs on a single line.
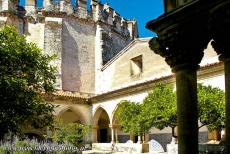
[[142, 10]]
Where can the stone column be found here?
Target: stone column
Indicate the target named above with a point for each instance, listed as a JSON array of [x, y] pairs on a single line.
[[112, 133], [94, 131], [139, 139], [186, 90], [182, 45], [220, 30], [116, 135], [227, 105]]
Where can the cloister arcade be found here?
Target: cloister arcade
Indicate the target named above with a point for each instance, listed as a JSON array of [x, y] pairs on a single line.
[[106, 128]]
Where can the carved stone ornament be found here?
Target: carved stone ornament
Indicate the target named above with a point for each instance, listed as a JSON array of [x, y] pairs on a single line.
[[181, 44], [220, 30]]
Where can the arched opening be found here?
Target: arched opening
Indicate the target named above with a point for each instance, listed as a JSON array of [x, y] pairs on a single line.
[[101, 120], [119, 135], [69, 116]]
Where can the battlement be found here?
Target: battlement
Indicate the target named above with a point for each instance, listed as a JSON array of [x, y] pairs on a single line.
[[99, 13]]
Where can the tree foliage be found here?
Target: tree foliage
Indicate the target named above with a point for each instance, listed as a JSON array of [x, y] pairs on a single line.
[[157, 110], [211, 107], [159, 107], [73, 133], [25, 73], [128, 114]]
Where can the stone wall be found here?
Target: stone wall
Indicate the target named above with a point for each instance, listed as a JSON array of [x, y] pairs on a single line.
[[53, 43], [112, 43], [78, 55], [35, 34], [117, 74], [14, 20]]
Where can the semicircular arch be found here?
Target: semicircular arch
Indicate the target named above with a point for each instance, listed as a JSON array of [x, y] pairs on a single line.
[[69, 112]]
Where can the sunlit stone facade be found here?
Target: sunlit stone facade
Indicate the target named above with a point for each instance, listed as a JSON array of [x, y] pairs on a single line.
[[101, 61]]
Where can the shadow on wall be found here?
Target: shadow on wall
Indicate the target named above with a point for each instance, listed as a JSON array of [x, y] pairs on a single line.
[[70, 65], [78, 56]]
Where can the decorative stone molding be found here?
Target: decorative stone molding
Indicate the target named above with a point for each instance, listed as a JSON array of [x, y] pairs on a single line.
[[220, 31], [180, 44]]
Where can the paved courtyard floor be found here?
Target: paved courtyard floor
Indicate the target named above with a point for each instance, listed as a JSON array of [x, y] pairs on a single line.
[[109, 152]]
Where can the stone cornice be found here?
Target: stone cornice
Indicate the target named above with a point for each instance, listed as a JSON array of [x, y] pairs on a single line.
[[133, 88]]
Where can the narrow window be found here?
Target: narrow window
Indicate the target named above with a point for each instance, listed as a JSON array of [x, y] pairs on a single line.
[[136, 66]]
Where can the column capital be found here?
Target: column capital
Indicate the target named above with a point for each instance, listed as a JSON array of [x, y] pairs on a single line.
[[114, 126], [95, 126], [219, 26], [182, 42], [111, 126]]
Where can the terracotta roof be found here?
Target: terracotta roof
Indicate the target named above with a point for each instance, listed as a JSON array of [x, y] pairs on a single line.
[[72, 94]]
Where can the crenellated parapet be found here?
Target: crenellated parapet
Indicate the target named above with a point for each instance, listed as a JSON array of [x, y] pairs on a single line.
[[104, 14], [117, 21], [65, 6], [98, 13], [82, 8]]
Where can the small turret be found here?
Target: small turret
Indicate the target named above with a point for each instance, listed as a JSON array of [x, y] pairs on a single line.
[[82, 8], [133, 30]]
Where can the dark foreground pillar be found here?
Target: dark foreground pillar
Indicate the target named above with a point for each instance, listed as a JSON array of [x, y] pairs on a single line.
[[227, 106], [183, 51], [220, 30], [186, 89]]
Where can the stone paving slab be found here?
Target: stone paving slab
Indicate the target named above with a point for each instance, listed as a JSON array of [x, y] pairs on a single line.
[[109, 152]]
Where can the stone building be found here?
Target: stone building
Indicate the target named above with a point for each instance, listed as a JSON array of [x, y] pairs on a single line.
[[101, 61]]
